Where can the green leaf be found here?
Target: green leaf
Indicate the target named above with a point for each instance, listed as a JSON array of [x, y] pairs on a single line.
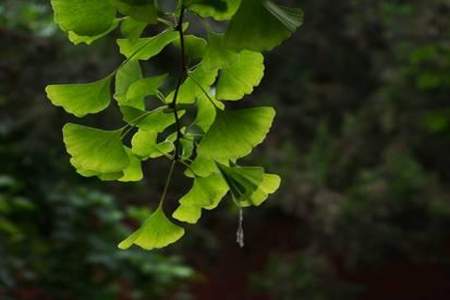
[[132, 29], [217, 55], [145, 87], [261, 25], [202, 167], [126, 75], [198, 82], [206, 113], [144, 11], [234, 133], [146, 48], [194, 46], [242, 181], [90, 173], [84, 17], [239, 78], [81, 99], [78, 39], [144, 144], [206, 192], [269, 185], [156, 120], [133, 172], [156, 232], [217, 9], [94, 149]]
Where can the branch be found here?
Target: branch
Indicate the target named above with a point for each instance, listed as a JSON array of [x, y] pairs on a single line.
[[181, 77]]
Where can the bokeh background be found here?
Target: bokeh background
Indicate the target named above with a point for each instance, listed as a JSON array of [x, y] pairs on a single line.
[[361, 139]]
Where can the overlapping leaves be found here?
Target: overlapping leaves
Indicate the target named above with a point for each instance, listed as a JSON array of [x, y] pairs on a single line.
[[210, 140]]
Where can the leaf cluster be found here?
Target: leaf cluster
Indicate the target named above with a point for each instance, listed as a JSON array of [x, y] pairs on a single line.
[[215, 70]]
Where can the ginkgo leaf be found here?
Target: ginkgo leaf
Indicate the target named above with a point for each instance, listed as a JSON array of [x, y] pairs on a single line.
[[197, 83], [90, 173], [217, 9], [242, 181], [194, 46], [217, 55], [261, 25], [206, 113], [81, 99], [234, 133], [206, 192], [157, 231], [146, 48], [126, 75], [144, 11], [202, 167], [84, 17], [145, 87], [131, 28], [239, 77], [269, 185], [157, 120], [144, 144], [95, 149], [133, 172], [78, 39]]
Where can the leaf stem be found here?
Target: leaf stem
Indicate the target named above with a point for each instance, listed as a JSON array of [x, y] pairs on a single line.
[[166, 185]]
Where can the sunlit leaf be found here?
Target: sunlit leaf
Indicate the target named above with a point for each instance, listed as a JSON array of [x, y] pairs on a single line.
[[269, 185], [126, 75], [206, 192], [242, 181], [144, 11], [81, 99], [78, 39], [234, 133], [240, 76], [144, 144], [145, 87], [157, 231], [194, 46], [133, 172], [217, 9], [146, 48], [95, 149], [261, 25], [84, 17], [132, 29]]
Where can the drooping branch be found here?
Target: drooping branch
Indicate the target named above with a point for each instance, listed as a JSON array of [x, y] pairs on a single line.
[[182, 76]]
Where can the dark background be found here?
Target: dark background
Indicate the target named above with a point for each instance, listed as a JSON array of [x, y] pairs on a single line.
[[361, 139]]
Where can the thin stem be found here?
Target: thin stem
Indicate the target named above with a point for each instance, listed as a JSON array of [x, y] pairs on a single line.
[[182, 76], [166, 185]]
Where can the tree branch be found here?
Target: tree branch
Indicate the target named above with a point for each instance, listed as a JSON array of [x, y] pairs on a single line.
[[182, 76]]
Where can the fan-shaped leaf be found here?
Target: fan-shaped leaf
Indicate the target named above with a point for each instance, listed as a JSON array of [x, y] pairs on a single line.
[[94, 149], [81, 99], [261, 25], [144, 144], [238, 78], [126, 75], [144, 11], [156, 232], [146, 48], [133, 172], [234, 133], [84, 17], [206, 192], [78, 39], [217, 9]]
